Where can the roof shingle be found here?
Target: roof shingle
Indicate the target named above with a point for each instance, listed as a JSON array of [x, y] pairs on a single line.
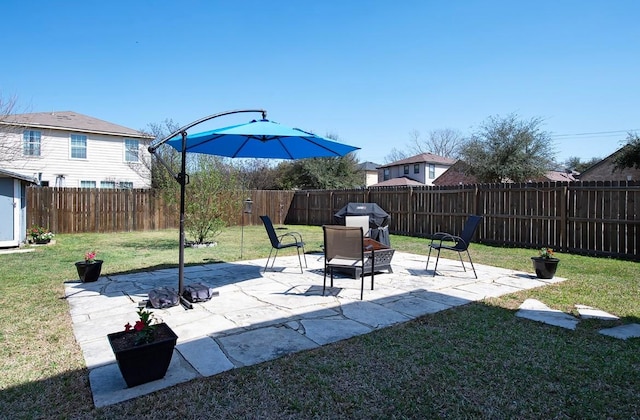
[[71, 121]]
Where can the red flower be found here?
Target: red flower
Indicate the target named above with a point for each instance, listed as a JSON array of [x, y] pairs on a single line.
[[127, 327], [139, 326]]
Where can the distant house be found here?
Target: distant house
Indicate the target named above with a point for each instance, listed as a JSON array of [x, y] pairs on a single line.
[[605, 171], [370, 172], [456, 175], [13, 205], [423, 168], [68, 149], [397, 182]]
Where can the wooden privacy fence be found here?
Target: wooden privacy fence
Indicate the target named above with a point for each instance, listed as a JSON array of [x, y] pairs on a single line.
[[595, 218], [74, 210]]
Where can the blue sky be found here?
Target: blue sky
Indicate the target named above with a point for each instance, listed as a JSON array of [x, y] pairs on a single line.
[[370, 72]]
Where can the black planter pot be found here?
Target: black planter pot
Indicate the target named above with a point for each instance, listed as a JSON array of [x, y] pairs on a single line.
[[88, 272], [545, 268], [146, 362]]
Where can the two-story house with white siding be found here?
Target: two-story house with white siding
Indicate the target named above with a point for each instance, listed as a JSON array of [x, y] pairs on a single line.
[[68, 149], [420, 169]]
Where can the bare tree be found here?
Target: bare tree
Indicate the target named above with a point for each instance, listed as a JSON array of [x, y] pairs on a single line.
[[160, 177], [442, 142], [394, 155], [10, 142]]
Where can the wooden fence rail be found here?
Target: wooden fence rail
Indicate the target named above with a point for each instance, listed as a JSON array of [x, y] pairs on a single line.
[[595, 218], [74, 210]]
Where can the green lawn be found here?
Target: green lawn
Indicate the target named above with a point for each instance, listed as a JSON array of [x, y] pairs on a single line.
[[475, 361]]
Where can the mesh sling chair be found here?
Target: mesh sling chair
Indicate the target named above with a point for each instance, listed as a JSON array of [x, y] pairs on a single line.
[[460, 244], [288, 240], [358, 221], [344, 248]]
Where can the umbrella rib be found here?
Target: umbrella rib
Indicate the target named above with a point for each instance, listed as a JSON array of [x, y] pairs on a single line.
[[310, 139], [240, 148], [285, 148]]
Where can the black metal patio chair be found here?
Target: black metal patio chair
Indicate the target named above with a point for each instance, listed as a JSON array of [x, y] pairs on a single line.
[[459, 244], [288, 240]]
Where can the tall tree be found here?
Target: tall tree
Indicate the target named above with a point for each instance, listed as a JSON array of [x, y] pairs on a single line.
[[442, 142], [574, 163], [394, 155], [160, 176], [258, 174], [321, 173], [10, 140], [508, 148], [629, 156]]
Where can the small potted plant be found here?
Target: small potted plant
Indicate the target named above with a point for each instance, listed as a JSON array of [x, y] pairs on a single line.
[[546, 264], [143, 351], [89, 270], [40, 235]]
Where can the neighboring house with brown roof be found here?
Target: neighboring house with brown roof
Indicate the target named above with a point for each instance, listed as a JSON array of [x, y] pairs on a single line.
[[456, 175], [397, 182], [68, 149], [370, 172], [423, 168], [605, 171]]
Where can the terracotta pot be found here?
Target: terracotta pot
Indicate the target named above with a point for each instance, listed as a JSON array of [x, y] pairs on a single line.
[[545, 268], [88, 272], [145, 362]]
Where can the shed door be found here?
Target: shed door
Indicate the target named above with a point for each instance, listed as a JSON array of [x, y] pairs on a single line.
[[6, 210]]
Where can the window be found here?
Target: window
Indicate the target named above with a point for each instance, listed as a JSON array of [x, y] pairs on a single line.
[[432, 171], [406, 169], [108, 184], [78, 147], [131, 150], [87, 184], [386, 174], [31, 143], [416, 168], [125, 185]]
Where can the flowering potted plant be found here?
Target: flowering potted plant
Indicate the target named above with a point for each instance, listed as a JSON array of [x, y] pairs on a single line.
[[89, 270], [143, 351], [40, 235], [546, 264]]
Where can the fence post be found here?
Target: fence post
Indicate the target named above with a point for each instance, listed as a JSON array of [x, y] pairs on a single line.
[[564, 219], [410, 215]]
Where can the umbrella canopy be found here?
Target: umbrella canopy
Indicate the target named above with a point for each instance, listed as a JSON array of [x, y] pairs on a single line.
[[262, 139], [255, 139]]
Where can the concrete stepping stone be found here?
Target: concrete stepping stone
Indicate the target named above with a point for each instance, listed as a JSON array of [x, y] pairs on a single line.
[[623, 331], [537, 311], [587, 312]]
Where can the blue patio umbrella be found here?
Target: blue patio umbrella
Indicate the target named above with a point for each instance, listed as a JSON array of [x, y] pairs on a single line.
[[262, 139], [255, 139]]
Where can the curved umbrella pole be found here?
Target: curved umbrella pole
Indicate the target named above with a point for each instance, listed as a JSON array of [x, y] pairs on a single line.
[[183, 179]]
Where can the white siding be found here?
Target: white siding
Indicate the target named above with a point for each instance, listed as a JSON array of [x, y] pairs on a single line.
[[104, 162], [397, 171]]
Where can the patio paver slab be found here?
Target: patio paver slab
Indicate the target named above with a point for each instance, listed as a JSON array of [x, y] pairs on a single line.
[[261, 316]]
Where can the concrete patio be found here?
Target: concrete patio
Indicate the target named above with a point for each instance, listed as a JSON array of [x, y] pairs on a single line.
[[262, 316]]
